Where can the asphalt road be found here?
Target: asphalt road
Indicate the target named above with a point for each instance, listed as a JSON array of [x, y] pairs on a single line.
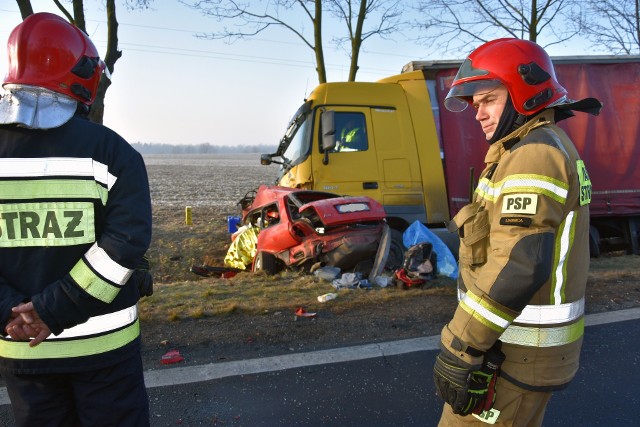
[[385, 384]]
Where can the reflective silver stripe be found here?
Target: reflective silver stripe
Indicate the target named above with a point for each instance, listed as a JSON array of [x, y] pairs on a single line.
[[101, 174], [565, 244], [100, 324], [108, 268], [543, 337], [551, 314], [477, 309], [538, 184], [536, 181], [546, 314], [56, 166]]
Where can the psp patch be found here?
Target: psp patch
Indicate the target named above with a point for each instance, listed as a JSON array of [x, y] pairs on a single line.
[[520, 204], [489, 417]]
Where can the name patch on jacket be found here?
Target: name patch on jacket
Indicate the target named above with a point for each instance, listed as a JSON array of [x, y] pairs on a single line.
[[46, 224], [520, 204], [517, 221]]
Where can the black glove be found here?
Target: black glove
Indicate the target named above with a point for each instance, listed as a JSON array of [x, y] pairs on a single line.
[[454, 383], [493, 358], [463, 386], [142, 278]]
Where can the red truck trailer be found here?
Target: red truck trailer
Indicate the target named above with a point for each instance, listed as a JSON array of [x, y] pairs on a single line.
[[609, 144]]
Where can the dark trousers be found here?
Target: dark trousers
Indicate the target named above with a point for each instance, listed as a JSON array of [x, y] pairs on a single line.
[[113, 396]]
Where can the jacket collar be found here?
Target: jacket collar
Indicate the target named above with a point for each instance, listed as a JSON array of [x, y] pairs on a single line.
[[497, 149]]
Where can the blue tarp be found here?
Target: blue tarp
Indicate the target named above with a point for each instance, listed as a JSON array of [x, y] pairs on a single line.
[[419, 233]]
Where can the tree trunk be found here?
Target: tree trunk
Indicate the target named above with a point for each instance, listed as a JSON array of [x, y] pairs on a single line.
[[356, 42], [638, 24], [317, 35], [25, 8], [96, 114]]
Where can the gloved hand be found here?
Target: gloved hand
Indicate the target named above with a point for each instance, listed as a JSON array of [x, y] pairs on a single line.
[[456, 384], [493, 358], [142, 278], [467, 388]]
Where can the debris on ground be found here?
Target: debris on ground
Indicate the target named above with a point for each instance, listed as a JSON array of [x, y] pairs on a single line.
[[351, 281], [301, 312], [327, 297], [170, 357], [212, 271], [282, 228], [327, 273]]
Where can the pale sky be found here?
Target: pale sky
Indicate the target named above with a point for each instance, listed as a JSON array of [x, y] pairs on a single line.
[[171, 87]]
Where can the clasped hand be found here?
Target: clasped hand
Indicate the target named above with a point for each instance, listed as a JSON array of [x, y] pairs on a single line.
[[26, 325]]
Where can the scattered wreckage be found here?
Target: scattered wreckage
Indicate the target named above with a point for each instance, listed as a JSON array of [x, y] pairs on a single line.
[[283, 228], [297, 228]]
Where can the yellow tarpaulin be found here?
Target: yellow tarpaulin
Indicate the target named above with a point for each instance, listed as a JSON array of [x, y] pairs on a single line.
[[242, 249]]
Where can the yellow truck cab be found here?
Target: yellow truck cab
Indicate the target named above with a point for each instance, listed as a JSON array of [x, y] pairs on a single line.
[[372, 139], [393, 141]]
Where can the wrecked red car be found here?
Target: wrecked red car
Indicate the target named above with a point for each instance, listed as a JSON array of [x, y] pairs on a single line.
[[300, 228]]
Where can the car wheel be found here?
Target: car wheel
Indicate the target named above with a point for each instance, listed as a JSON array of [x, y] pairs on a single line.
[[264, 261], [396, 250], [380, 261]]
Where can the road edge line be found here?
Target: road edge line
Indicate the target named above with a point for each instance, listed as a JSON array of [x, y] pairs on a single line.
[[212, 371]]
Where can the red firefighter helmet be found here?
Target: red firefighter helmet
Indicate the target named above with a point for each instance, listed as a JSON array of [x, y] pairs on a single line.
[[523, 67], [47, 51]]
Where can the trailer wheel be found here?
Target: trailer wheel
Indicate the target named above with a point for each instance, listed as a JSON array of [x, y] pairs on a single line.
[[264, 261], [594, 242]]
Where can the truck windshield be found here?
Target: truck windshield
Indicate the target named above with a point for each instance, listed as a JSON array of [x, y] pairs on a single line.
[[298, 139]]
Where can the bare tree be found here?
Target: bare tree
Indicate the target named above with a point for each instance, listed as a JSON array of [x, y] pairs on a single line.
[[25, 8], [613, 25], [450, 25], [77, 18], [388, 23], [248, 19]]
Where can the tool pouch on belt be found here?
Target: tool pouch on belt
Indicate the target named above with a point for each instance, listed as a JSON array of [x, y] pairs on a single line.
[[472, 225]]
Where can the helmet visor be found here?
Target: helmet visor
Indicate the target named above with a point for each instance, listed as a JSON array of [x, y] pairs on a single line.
[[461, 95]]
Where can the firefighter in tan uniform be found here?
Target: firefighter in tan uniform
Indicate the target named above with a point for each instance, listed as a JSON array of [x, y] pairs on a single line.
[[524, 254]]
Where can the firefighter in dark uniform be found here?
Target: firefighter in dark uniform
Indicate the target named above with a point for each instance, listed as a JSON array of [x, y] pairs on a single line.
[[75, 221], [516, 334]]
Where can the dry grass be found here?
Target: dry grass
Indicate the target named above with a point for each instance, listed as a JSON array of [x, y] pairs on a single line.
[[615, 264], [259, 294], [180, 294]]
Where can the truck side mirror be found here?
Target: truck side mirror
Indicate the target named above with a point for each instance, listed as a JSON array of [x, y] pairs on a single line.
[[265, 159], [328, 130]]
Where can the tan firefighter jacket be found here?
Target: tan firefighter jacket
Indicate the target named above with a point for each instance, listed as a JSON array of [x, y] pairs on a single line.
[[524, 257]]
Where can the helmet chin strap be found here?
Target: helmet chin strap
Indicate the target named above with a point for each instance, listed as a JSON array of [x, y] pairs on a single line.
[[510, 120]]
